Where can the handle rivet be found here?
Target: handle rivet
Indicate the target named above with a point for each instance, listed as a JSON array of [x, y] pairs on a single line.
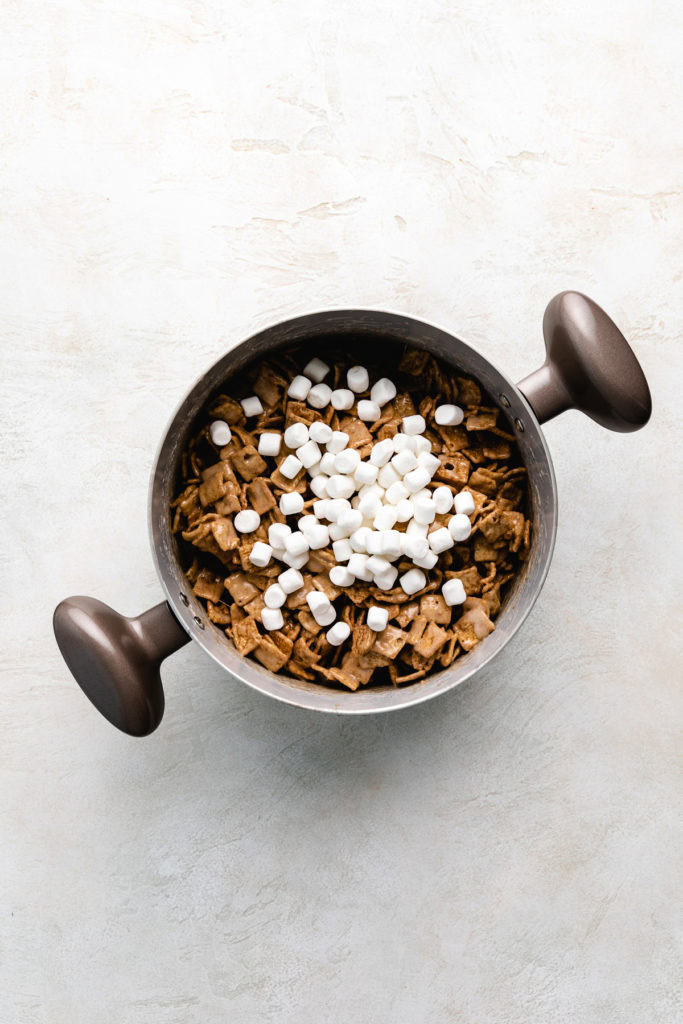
[[183, 599], [504, 401], [198, 622], [519, 425]]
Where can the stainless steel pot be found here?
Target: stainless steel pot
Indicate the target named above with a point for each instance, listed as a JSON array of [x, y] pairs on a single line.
[[589, 366]]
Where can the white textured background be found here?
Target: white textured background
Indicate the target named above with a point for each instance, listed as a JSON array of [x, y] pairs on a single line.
[[173, 175]]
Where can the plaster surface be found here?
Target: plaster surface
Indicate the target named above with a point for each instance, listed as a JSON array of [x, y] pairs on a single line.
[[174, 176]]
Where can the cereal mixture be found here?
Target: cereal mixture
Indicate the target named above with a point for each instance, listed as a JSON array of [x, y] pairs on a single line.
[[351, 528]]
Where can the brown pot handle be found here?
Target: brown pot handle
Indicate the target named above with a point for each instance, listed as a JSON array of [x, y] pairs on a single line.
[[589, 366], [115, 660]]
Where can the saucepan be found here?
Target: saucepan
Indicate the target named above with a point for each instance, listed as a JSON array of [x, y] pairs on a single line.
[[589, 366]]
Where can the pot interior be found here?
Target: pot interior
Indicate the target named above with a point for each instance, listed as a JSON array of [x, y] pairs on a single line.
[[388, 331]]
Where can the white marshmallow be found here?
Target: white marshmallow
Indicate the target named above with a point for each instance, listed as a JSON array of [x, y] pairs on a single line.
[[373, 542], [357, 378], [339, 486], [296, 435], [440, 540], [377, 618], [296, 543], [390, 544], [338, 633], [342, 399], [381, 452], [460, 527], [327, 463], [369, 505], [336, 532], [403, 443], [274, 596], [322, 611], [383, 391], [417, 479], [448, 415], [314, 470], [308, 454], [359, 539], [320, 432], [376, 564], [371, 489], [337, 442], [295, 561], [430, 462], [404, 510], [261, 554], [252, 406], [290, 580], [290, 467], [342, 550], [385, 518], [414, 547], [340, 576], [453, 592], [412, 581], [299, 388], [415, 529], [247, 521], [347, 461], [386, 580], [358, 565], [271, 618], [443, 499], [421, 444], [368, 411], [319, 485], [413, 425], [428, 562], [291, 503], [306, 522], [464, 503], [320, 508], [350, 520], [318, 536], [336, 507], [365, 473], [397, 492], [387, 476], [404, 461], [316, 370], [319, 396], [424, 510], [278, 534], [220, 433]]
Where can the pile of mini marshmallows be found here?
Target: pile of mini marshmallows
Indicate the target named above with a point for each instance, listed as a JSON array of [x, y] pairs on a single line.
[[358, 502]]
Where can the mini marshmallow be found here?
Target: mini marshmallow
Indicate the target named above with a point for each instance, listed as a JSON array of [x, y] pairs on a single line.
[[359, 539], [381, 452], [365, 473], [338, 633], [308, 454], [424, 510], [296, 543], [269, 443], [404, 461], [327, 463], [296, 435], [321, 609], [414, 547], [376, 564], [271, 618], [290, 580], [319, 485], [377, 618], [316, 370], [383, 391], [336, 507], [373, 489], [336, 532], [358, 565], [299, 388], [314, 470], [320, 508], [342, 550], [373, 542], [417, 479], [274, 596], [340, 576], [403, 443], [347, 461], [421, 444], [390, 544], [368, 411], [278, 534], [261, 554], [412, 581], [291, 503], [319, 396], [413, 425], [404, 510], [428, 562], [415, 529], [440, 540], [453, 592], [448, 415], [342, 399], [386, 580], [397, 492], [318, 536], [430, 462], [387, 476], [295, 561], [220, 433], [320, 432], [306, 522], [337, 442], [459, 526], [385, 518], [290, 467], [464, 503], [443, 499], [252, 406], [351, 519], [339, 486], [357, 378], [247, 521]]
